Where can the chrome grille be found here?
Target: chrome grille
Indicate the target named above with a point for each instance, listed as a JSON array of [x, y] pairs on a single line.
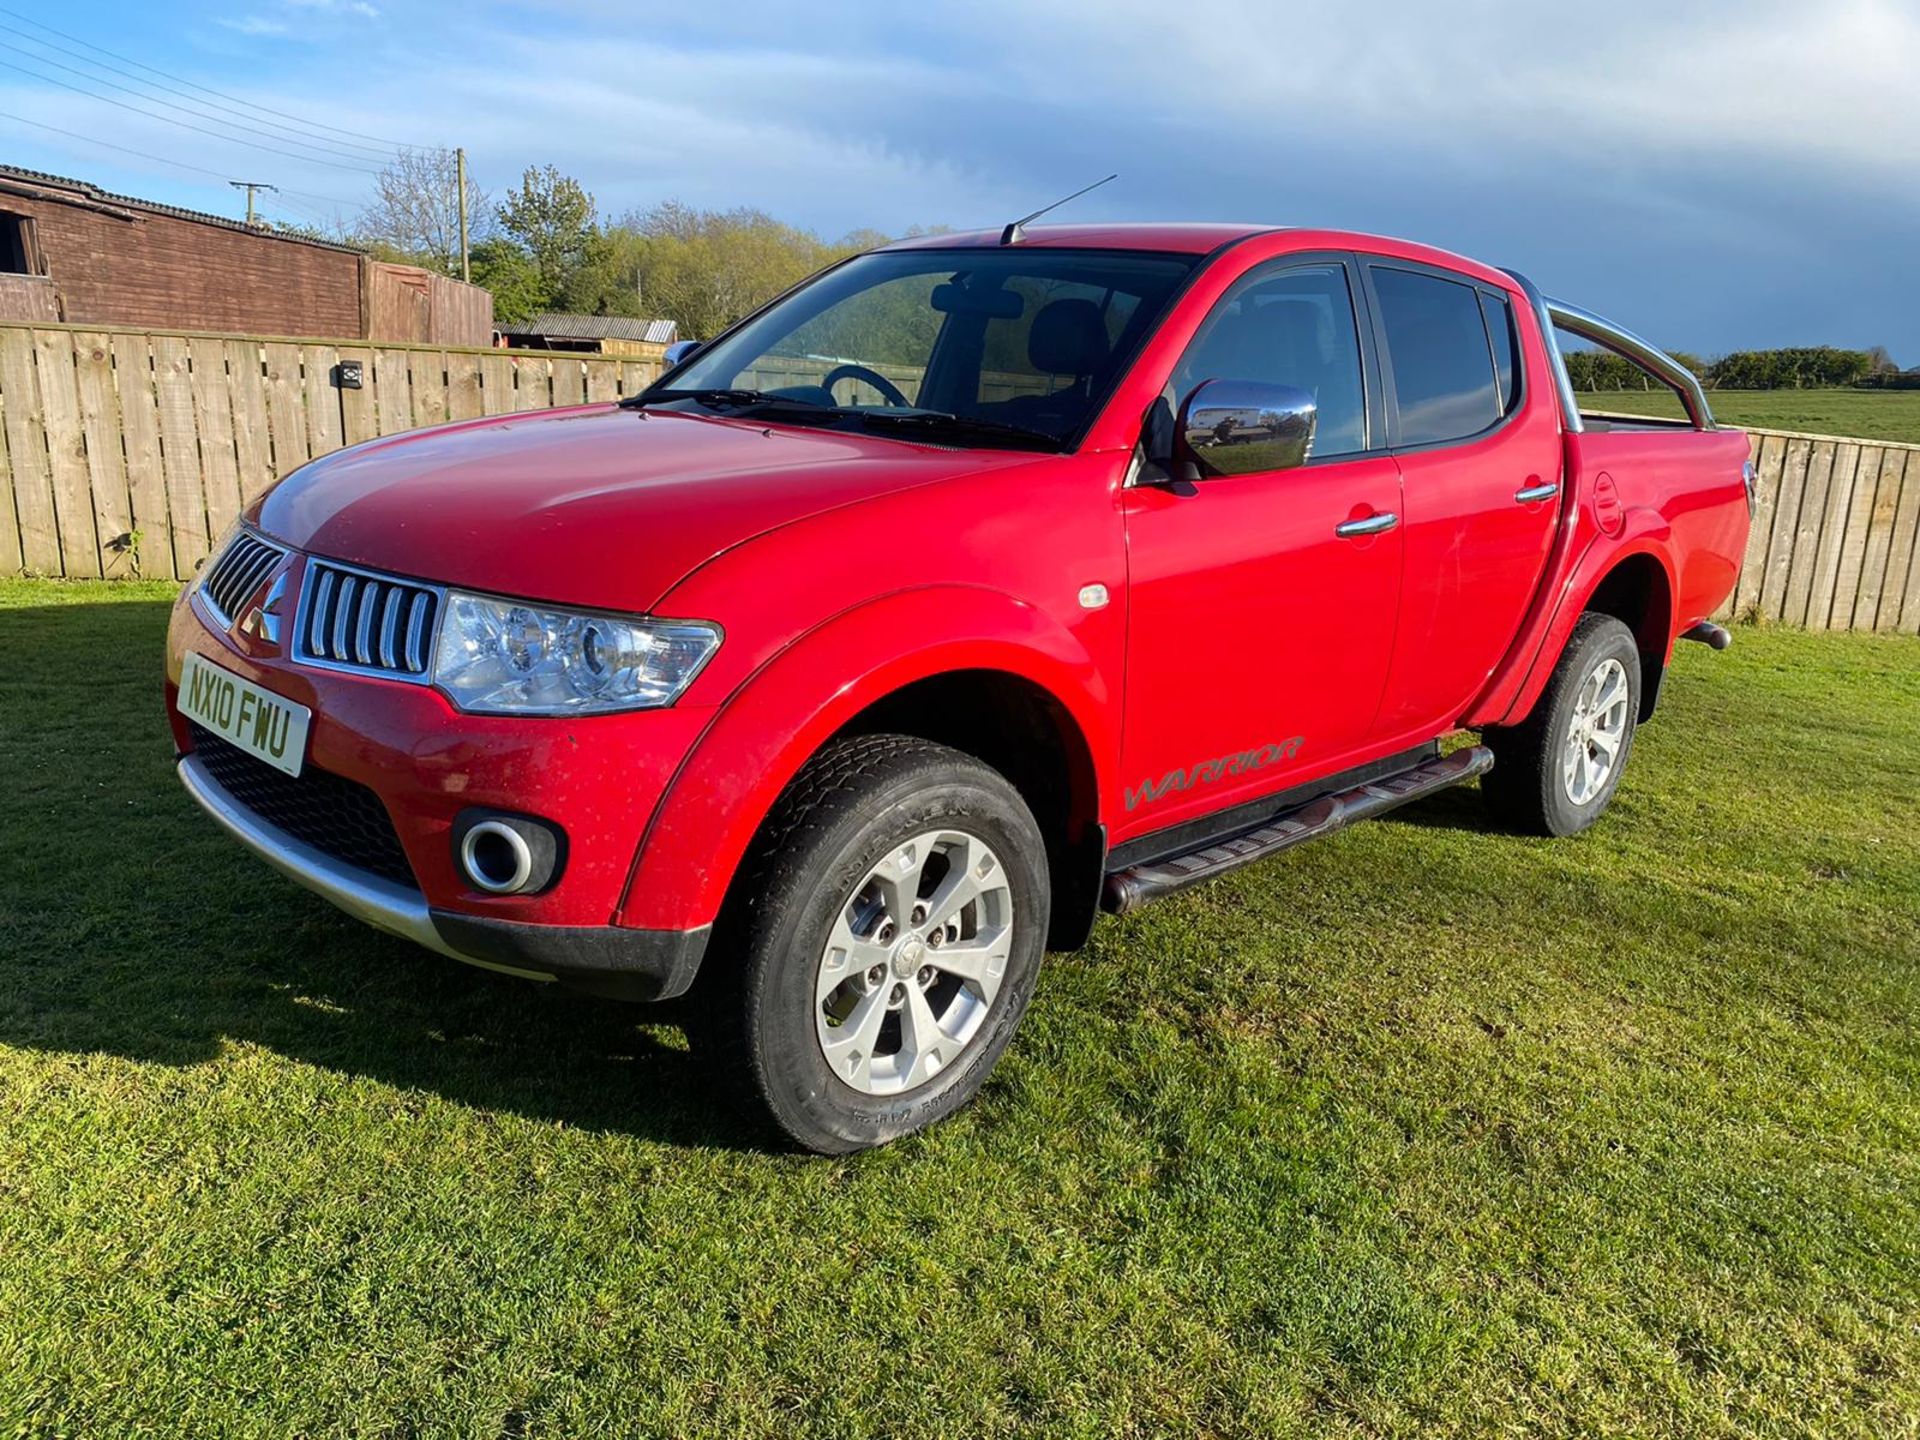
[[237, 572], [359, 620]]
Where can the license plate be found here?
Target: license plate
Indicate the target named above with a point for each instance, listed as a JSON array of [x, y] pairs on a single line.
[[258, 721]]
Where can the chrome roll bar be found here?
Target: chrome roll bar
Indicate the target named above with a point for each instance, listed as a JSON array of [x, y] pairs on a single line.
[[1589, 326]]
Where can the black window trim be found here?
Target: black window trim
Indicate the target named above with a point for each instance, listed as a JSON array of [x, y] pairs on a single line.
[[1371, 389], [1368, 264]]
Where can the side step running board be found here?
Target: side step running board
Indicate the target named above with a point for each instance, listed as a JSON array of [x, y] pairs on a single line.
[[1132, 887]]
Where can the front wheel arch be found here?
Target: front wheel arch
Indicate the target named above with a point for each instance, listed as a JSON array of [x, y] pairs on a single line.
[[818, 688]]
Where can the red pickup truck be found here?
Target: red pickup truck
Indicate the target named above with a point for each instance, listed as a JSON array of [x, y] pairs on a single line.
[[976, 584]]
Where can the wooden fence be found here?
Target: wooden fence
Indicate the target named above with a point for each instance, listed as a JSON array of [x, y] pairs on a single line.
[[1835, 543], [129, 452]]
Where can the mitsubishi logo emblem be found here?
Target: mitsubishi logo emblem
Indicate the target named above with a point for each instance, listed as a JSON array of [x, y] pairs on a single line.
[[262, 622]]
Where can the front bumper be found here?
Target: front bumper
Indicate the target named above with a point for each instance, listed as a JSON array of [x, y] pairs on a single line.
[[604, 959]]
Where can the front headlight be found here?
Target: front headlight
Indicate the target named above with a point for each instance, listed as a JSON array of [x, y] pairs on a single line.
[[508, 658]]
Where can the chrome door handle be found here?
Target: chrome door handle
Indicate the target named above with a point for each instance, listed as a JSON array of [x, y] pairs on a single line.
[[1372, 525], [1532, 493]]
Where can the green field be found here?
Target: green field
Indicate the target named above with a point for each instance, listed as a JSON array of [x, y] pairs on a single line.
[[1869, 414], [1423, 1130]]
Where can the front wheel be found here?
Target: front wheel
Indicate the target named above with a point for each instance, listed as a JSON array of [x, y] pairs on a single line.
[[1556, 772], [886, 940]]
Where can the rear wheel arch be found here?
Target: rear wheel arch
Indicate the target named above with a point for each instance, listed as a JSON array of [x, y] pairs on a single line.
[[1638, 592]]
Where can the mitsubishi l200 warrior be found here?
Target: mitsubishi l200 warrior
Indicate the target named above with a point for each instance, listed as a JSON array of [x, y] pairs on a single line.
[[977, 584]]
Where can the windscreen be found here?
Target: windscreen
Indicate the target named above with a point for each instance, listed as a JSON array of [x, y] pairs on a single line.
[[1033, 339]]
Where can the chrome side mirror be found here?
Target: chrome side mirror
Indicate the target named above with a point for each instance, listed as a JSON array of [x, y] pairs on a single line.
[[1240, 427], [678, 351]]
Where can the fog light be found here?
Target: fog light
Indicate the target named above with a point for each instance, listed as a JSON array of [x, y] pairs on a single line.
[[506, 854]]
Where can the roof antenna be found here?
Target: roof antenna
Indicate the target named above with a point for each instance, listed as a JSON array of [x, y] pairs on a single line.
[[1016, 232]]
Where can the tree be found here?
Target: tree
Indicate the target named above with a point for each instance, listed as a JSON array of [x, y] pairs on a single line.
[[416, 218], [504, 268], [551, 216], [612, 278], [707, 268]]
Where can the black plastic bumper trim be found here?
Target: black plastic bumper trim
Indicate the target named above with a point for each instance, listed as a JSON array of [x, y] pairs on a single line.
[[605, 960]]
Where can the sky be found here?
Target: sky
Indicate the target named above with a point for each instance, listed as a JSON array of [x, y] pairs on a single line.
[[1714, 176]]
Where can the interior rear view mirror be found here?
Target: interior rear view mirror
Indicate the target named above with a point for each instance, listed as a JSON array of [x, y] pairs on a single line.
[[951, 299]]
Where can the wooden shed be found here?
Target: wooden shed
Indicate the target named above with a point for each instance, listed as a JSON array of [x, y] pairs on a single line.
[[593, 334], [70, 251]]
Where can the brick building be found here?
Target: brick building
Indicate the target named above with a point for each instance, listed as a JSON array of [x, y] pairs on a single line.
[[72, 252]]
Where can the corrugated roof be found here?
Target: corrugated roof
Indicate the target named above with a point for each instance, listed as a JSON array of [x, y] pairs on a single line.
[[88, 191], [556, 325]]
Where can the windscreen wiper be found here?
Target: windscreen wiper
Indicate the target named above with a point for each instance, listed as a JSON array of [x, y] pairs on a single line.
[[945, 422], [720, 397]]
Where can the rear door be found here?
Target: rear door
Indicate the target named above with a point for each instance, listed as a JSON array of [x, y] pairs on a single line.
[[1480, 461], [1258, 636]]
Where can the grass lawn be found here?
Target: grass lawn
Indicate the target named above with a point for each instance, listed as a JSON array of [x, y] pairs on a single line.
[[1422, 1130], [1870, 414]]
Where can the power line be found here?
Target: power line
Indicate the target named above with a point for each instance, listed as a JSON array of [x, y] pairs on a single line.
[[318, 150], [200, 129], [304, 214], [163, 160], [346, 147], [205, 90]]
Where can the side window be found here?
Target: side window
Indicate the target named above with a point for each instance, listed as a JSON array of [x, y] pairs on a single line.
[[1506, 348], [1287, 326], [1444, 385]]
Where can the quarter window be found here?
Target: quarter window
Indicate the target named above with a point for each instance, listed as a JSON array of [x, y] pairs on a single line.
[[1444, 382], [1506, 348], [1290, 326]]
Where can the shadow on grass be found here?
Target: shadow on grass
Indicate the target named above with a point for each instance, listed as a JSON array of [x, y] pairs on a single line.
[[1459, 807], [133, 927], [130, 925]]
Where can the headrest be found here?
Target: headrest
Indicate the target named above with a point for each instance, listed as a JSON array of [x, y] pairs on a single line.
[[1069, 337]]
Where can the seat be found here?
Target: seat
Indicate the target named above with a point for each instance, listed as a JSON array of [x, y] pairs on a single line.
[[1067, 337]]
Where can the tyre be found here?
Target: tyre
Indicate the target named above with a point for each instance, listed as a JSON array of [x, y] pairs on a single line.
[[1557, 771], [882, 945]]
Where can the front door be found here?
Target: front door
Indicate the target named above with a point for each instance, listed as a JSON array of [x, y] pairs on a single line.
[[1258, 637]]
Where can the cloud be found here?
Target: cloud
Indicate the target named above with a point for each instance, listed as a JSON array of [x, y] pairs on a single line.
[[1717, 174], [349, 7], [255, 25]]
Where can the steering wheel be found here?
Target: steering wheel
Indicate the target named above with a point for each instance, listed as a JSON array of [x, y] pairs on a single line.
[[889, 392]]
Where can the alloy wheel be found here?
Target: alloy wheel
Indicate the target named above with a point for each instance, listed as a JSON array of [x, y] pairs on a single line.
[[1596, 732], [915, 960]]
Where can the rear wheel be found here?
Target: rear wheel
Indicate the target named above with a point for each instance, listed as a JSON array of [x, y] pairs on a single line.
[[1555, 773], [887, 935]]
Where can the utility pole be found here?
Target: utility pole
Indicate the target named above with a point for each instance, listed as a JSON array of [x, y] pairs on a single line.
[[460, 183], [250, 186]]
